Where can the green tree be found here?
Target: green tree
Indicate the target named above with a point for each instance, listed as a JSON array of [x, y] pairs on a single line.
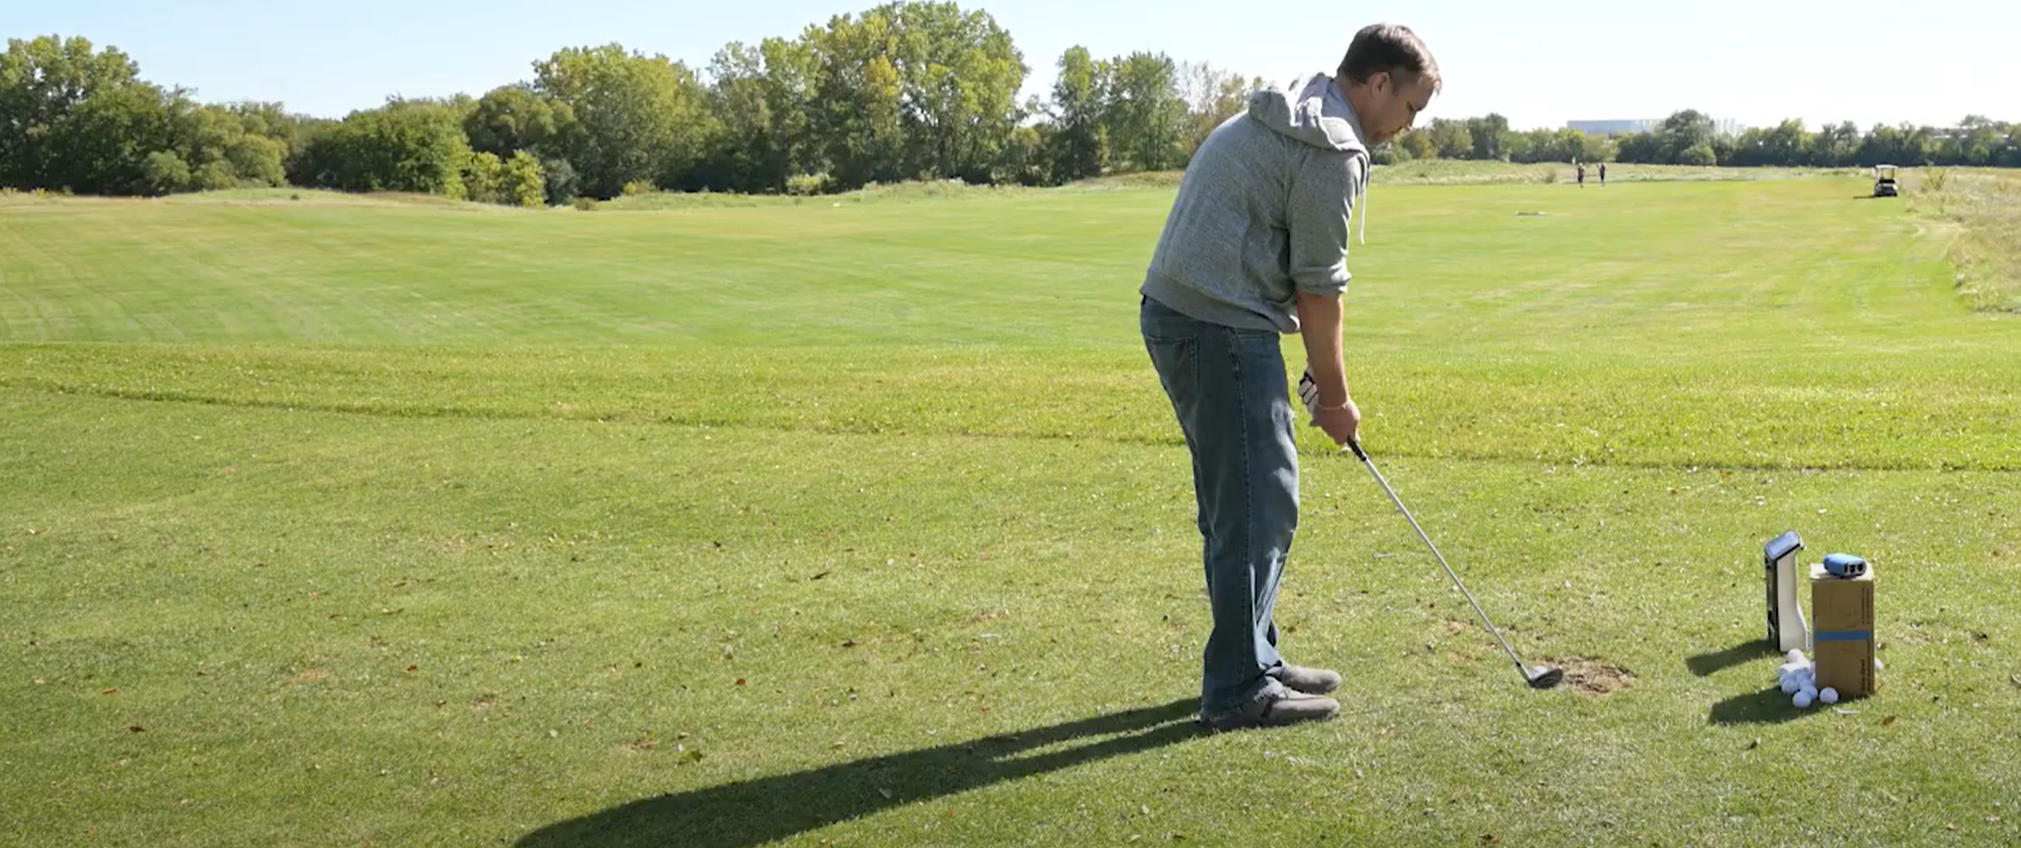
[[483, 177], [292, 131], [744, 148], [1080, 141], [1390, 154], [1547, 145], [1976, 142], [404, 146], [164, 173], [515, 117], [1146, 115], [42, 84], [959, 75], [1684, 131], [562, 184], [1490, 136], [1418, 144], [1212, 97], [638, 118], [2010, 152], [106, 141], [1902, 144], [762, 98], [1027, 159], [1787, 144], [523, 182], [1835, 145], [790, 79], [78, 118], [1596, 148], [226, 148], [1644, 148], [859, 99], [1750, 148], [1451, 138]]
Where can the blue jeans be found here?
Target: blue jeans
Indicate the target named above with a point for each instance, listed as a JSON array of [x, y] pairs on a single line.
[[1229, 390]]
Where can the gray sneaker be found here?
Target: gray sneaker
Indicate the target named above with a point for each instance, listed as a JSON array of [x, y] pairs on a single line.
[[1311, 681], [1274, 706]]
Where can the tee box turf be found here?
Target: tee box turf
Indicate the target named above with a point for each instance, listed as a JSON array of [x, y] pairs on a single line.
[[1842, 611]]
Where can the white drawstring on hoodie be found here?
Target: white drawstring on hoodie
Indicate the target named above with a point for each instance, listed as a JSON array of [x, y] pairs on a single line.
[[1361, 202]]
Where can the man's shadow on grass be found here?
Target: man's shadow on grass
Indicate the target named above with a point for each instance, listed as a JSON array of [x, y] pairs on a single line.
[[1769, 706], [1765, 707], [756, 812], [1706, 665]]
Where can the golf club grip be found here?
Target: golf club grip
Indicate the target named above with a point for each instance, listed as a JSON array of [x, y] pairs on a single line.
[[1355, 445]]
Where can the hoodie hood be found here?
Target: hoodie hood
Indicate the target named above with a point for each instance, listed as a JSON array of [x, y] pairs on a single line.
[[1316, 114]]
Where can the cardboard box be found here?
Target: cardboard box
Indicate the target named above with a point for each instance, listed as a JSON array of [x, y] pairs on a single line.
[[1842, 631]]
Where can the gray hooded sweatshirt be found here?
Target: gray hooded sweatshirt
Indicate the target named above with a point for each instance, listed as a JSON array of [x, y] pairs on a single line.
[[1263, 211]]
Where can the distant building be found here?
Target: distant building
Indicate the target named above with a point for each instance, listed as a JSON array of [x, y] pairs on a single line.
[[1720, 126], [1615, 127]]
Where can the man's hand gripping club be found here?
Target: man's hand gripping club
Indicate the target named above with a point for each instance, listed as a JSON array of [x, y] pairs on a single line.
[[1323, 388]]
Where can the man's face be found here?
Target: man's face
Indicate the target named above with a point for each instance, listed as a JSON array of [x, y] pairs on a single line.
[[1398, 100]]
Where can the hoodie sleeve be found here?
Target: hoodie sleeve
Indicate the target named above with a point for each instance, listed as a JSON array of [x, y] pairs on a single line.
[[1322, 201]]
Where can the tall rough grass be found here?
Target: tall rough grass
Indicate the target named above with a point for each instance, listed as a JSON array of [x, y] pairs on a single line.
[[1987, 206]]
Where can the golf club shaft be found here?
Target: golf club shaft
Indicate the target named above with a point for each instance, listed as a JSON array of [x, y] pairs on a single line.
[[1363, 456]]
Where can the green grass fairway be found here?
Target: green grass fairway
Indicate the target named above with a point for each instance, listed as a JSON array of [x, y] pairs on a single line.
[[863, 522]]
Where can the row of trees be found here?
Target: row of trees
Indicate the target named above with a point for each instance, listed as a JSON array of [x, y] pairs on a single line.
[[75, 118], [1687, 138], [904, 91], [1490, 138], [1690, 138]]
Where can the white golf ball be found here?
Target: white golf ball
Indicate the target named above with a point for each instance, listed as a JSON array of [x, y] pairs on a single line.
[[1877, 664], [1796, 657], [1803, 699], [1790, 686], [1828, 695]]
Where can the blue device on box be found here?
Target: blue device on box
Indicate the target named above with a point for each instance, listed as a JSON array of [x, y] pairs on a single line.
[[1845, 565]]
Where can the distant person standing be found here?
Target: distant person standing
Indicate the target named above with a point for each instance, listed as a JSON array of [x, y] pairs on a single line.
[[1582, 175], [1603, 175], [1255, 249]]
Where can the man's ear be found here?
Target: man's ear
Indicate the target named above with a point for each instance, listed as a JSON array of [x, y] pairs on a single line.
[[1382, 82]]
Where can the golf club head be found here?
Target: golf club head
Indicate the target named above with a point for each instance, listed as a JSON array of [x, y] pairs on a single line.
[[1544, 677]]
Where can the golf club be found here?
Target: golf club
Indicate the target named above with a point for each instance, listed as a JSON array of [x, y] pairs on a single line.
[[1541, 677]]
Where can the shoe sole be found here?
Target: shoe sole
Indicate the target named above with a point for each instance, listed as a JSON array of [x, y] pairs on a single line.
[[1243, 722]]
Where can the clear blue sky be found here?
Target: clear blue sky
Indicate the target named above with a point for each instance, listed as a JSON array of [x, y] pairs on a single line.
[[1862, 60]]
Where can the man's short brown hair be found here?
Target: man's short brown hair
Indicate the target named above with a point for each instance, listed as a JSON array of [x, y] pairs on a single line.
[[1392, 49]]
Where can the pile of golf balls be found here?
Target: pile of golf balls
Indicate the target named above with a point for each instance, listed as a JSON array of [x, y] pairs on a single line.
[[1799, 679]]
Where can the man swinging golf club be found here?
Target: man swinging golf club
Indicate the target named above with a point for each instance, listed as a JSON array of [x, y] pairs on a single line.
[[1256, 246]]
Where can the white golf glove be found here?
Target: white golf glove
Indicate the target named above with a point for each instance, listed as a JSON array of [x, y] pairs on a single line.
[[1308, 391]]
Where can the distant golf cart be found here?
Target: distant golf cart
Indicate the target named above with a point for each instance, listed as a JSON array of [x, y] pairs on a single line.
[[1884, 181]]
